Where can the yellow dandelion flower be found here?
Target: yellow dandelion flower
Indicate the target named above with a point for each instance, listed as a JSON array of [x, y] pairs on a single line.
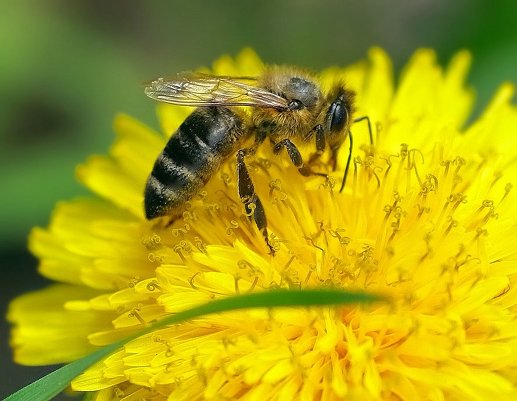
[[428, 216]]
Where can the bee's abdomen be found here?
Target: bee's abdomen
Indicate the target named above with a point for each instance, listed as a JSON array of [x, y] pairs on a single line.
[[192, 155]]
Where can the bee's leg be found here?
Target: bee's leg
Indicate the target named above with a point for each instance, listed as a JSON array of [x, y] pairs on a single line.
[[334, 152], [249, 197], [320, 144], [296, 157], [333, 157]]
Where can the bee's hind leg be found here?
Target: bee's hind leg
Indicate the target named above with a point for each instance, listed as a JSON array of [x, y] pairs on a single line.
[[249, 197]]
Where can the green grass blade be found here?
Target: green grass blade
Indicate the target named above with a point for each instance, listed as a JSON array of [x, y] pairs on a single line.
[[52, 384]]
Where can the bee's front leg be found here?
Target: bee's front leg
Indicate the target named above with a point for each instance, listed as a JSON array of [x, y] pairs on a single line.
[[320, 143]]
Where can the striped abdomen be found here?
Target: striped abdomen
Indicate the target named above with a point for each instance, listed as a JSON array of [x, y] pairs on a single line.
[[193, 154]]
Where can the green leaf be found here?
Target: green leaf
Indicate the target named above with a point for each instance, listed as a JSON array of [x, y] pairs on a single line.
[[52, 384]]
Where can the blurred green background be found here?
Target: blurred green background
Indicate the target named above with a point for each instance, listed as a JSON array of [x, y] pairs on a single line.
[[66, 68]]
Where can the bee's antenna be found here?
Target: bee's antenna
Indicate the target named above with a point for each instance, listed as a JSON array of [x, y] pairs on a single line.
[[350, 149], [370, 132], [347, 167]]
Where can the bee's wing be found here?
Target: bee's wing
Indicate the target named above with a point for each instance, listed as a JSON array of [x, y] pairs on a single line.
[[189, 89]]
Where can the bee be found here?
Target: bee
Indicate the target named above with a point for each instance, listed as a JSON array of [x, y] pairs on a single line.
[[288, 108]]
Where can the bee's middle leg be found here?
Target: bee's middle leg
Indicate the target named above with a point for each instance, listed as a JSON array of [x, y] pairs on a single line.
[[249, 196], [296, 157]]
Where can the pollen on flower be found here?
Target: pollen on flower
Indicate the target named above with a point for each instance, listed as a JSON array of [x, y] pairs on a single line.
[[427, 216]]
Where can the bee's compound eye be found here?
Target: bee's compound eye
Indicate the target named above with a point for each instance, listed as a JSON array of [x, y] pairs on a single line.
[[295, 104], [337, 115]]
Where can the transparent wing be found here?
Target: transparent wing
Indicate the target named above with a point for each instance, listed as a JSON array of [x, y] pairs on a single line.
[[195, 89]]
